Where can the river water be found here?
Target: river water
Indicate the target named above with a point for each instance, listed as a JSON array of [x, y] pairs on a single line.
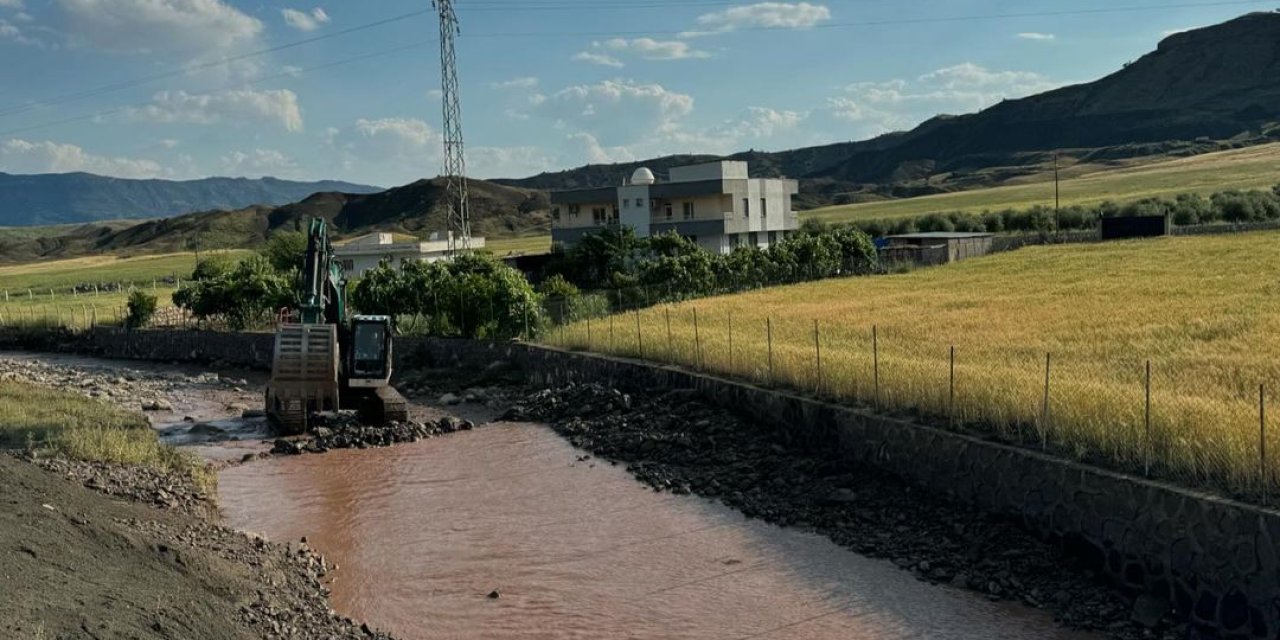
[[578, 549]]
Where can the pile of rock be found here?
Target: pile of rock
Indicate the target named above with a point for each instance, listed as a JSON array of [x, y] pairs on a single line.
[[140, 484], [343, 430], [678, 443]]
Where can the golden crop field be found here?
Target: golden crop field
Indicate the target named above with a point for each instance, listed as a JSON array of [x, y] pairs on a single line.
[[1204, 311], [1249, 168]]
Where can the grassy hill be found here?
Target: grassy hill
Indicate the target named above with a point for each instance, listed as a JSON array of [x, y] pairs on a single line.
[[497, 212], [1089, 183], [1204, 311]]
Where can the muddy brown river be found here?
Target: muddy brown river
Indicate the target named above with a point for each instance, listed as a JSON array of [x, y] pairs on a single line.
[[578, 549]]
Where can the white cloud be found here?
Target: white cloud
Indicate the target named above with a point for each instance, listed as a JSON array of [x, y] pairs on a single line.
[[769, 15], [763, 122], [10, 32], [184, 26], [601, 59], [1033, 35], [259, 163], [23, 156], [435, 94], [595, 153], [278, 106], [651, 49], [12, 4], [880, 107], [304, 21], [516, 83], [615, 110], [170, 143]]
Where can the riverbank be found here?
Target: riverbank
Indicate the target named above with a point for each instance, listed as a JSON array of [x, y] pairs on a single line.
[[675, 442], [106, 531]]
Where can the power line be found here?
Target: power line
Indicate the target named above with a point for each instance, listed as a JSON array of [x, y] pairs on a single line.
[[890, 22], [286, 74], [137, 82], [875, 23]]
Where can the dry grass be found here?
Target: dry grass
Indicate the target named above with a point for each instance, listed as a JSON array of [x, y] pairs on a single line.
[[58, 421], [1250, 168], [1205, 311]]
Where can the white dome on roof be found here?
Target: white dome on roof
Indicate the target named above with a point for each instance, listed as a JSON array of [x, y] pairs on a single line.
[[643, 176]]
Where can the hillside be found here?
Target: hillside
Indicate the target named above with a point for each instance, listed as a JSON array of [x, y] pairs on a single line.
[[496, 211], [83, 197], [1217, 83]]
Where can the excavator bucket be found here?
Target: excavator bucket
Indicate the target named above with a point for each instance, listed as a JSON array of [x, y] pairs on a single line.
[[304, 375]]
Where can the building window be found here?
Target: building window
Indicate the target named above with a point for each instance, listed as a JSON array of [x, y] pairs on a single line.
[[555, 214], [347, 265], [755, 239], [773, 238], [764, 208], [688, 210], [668, 208], [598, 215], [613, 215], [573, 210], [746, 207], [640, 202]]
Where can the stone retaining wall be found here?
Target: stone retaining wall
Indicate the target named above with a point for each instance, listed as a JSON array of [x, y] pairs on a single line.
[[1214, 559]]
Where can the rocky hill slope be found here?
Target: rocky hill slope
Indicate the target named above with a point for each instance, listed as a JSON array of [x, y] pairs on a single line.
[[1216, 83]]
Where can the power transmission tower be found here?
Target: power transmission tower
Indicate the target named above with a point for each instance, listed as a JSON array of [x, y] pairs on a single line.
[[455, 162]]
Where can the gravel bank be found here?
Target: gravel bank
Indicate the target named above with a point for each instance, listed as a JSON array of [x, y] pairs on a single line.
[[674, 442], [146, 562]]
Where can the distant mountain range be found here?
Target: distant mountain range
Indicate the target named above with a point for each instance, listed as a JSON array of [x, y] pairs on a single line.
[[59, 198], [1215, 83]]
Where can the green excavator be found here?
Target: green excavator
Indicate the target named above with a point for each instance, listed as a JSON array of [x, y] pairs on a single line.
[[323, 359]]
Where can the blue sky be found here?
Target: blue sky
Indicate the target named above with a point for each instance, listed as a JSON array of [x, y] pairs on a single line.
[[190, 88]]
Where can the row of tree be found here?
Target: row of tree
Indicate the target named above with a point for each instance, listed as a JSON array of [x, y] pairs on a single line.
[[1186, 209]]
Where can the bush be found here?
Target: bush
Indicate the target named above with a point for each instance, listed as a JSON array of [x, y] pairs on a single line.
[[251, 291], [286, 250], [142, 308], [472, 296]]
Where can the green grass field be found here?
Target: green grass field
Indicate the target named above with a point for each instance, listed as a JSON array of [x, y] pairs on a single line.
[[62, 274], [524, 245], [1205, 311], [70, 424], [1250, 168]]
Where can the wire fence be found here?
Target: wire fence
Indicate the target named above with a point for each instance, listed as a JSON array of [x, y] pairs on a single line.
[[1132, 413]]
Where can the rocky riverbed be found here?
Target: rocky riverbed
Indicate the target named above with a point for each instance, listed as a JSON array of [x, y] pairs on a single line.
[[675, 442], [138, 388]]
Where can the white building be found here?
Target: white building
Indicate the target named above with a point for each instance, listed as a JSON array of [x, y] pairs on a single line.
[[714, 204], [360, 254]]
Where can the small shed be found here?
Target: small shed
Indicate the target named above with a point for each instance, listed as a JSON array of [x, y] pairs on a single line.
[[935, 247]]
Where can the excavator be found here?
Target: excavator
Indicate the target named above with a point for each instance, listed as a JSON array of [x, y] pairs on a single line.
[[324, 360]]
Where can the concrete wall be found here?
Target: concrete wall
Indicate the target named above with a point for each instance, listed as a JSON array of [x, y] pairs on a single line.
[[1216, 559]]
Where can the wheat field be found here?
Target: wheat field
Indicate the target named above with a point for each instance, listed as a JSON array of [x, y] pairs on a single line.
[[1205, 312], [1249, 168]]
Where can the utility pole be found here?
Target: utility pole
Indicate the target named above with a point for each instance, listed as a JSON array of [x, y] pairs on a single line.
[[455, 164], [1057, 197]]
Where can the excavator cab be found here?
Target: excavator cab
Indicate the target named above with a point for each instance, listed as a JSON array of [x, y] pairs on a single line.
[[370, 354]]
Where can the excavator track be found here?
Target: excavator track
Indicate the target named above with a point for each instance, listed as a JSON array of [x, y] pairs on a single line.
[[385, 405]]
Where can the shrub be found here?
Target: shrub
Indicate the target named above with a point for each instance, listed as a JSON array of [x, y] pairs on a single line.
[[142, 308]]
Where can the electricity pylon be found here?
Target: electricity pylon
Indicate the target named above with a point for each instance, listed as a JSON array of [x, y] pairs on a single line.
[[455, 162]]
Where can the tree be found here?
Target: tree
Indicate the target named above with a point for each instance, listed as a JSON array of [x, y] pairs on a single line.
[[142, 307], [285, 250], [252, 290]]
